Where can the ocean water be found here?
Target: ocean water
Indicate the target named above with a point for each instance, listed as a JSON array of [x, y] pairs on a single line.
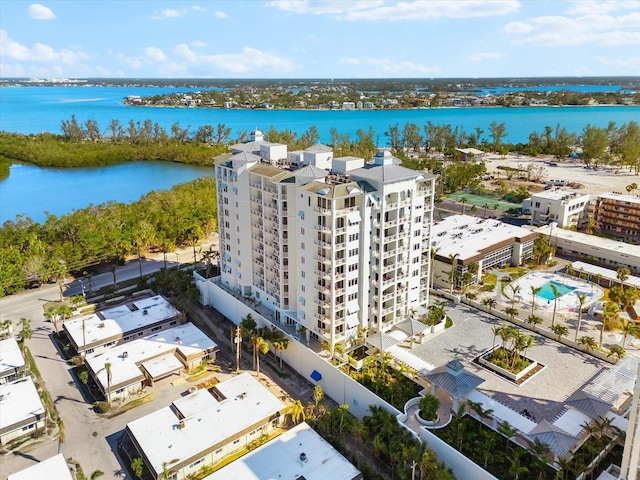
[[41, 109], [32, 190]]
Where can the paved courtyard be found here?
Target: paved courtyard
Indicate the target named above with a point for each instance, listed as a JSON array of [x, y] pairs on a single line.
[[543, 395]]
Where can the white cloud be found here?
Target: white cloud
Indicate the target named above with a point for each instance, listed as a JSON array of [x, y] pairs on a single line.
[[155, 54], [39, 52], [185, 52], [168, 13], [250, 59], [390, 66], [626, 65], [198, 8], [198, 44], [481, 56], [220, 14], [599, 29], [599, 7], [40, 12], [398, 10]]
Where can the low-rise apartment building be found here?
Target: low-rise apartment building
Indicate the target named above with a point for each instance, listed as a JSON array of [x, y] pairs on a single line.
[[298, 453], [12, 364], [618, 215], [462, 240], [53, 468], [203, 428], [564, 207], [21, 410], [149, 359], [593, 249], [113, 326]]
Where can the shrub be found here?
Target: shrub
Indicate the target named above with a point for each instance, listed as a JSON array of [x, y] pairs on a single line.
[[428, 406], [448, 323]]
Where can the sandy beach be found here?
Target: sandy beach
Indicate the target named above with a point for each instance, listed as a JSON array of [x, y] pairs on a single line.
[[605, 179]]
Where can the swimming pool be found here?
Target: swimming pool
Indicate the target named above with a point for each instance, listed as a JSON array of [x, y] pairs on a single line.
[[547, 293]]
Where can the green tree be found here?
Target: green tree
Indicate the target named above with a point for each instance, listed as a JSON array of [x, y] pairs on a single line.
[[628, 328], [137, 466], [107, 367], [560, 331], [594, 142], [497, 131]]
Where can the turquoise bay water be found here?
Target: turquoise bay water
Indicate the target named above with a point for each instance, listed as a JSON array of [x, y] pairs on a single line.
[[547, 293], [32, 190], [38, 109]]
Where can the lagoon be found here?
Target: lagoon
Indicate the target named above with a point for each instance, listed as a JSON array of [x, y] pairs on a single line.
[[33, 190]]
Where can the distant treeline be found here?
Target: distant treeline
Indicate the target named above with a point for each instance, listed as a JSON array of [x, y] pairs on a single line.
[[32, 253]]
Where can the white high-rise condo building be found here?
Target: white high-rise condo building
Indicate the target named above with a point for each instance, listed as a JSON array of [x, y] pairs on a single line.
[[333, 245]]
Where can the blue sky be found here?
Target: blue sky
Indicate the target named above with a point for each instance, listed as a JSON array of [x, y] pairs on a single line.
[[319, 39]]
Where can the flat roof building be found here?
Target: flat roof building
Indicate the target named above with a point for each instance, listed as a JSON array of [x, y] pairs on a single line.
[[564, 207], [297, 453], [593, 249], [463, 240], [149, 359], [21, 410], [112, 326], [204, 427], [618, 215], [12, 365], [53, 468]]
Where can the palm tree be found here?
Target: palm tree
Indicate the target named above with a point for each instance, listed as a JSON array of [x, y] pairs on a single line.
[[610, 317], [515, 468], [61, 437], [623, 275], [512, 312], [6, 327], [25, 334], [260, 345], [507, 430], [485, 206], [107, 367], [617, 351], [582, 298], [627, 327], [280, 345], [95, 474], [490, 303], [588, 343], [432, 255], [427, 464], [296, 412], [556, 294], [454, 270], [137, 465], [480, 410], [560, 330], [534, 292], [463, 201]]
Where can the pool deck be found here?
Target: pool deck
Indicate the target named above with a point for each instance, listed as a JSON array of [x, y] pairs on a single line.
[[567, 302], [543, 396]]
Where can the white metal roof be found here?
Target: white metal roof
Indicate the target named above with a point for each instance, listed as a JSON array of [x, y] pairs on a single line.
[[119, 320], [53, 468], [246, 403], [10, 355], [19, 401], [467, 235], [631, 281], [281, 459], [517, 421], [124, 359]]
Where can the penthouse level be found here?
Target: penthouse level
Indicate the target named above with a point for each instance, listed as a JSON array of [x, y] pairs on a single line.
[[113, 326]]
